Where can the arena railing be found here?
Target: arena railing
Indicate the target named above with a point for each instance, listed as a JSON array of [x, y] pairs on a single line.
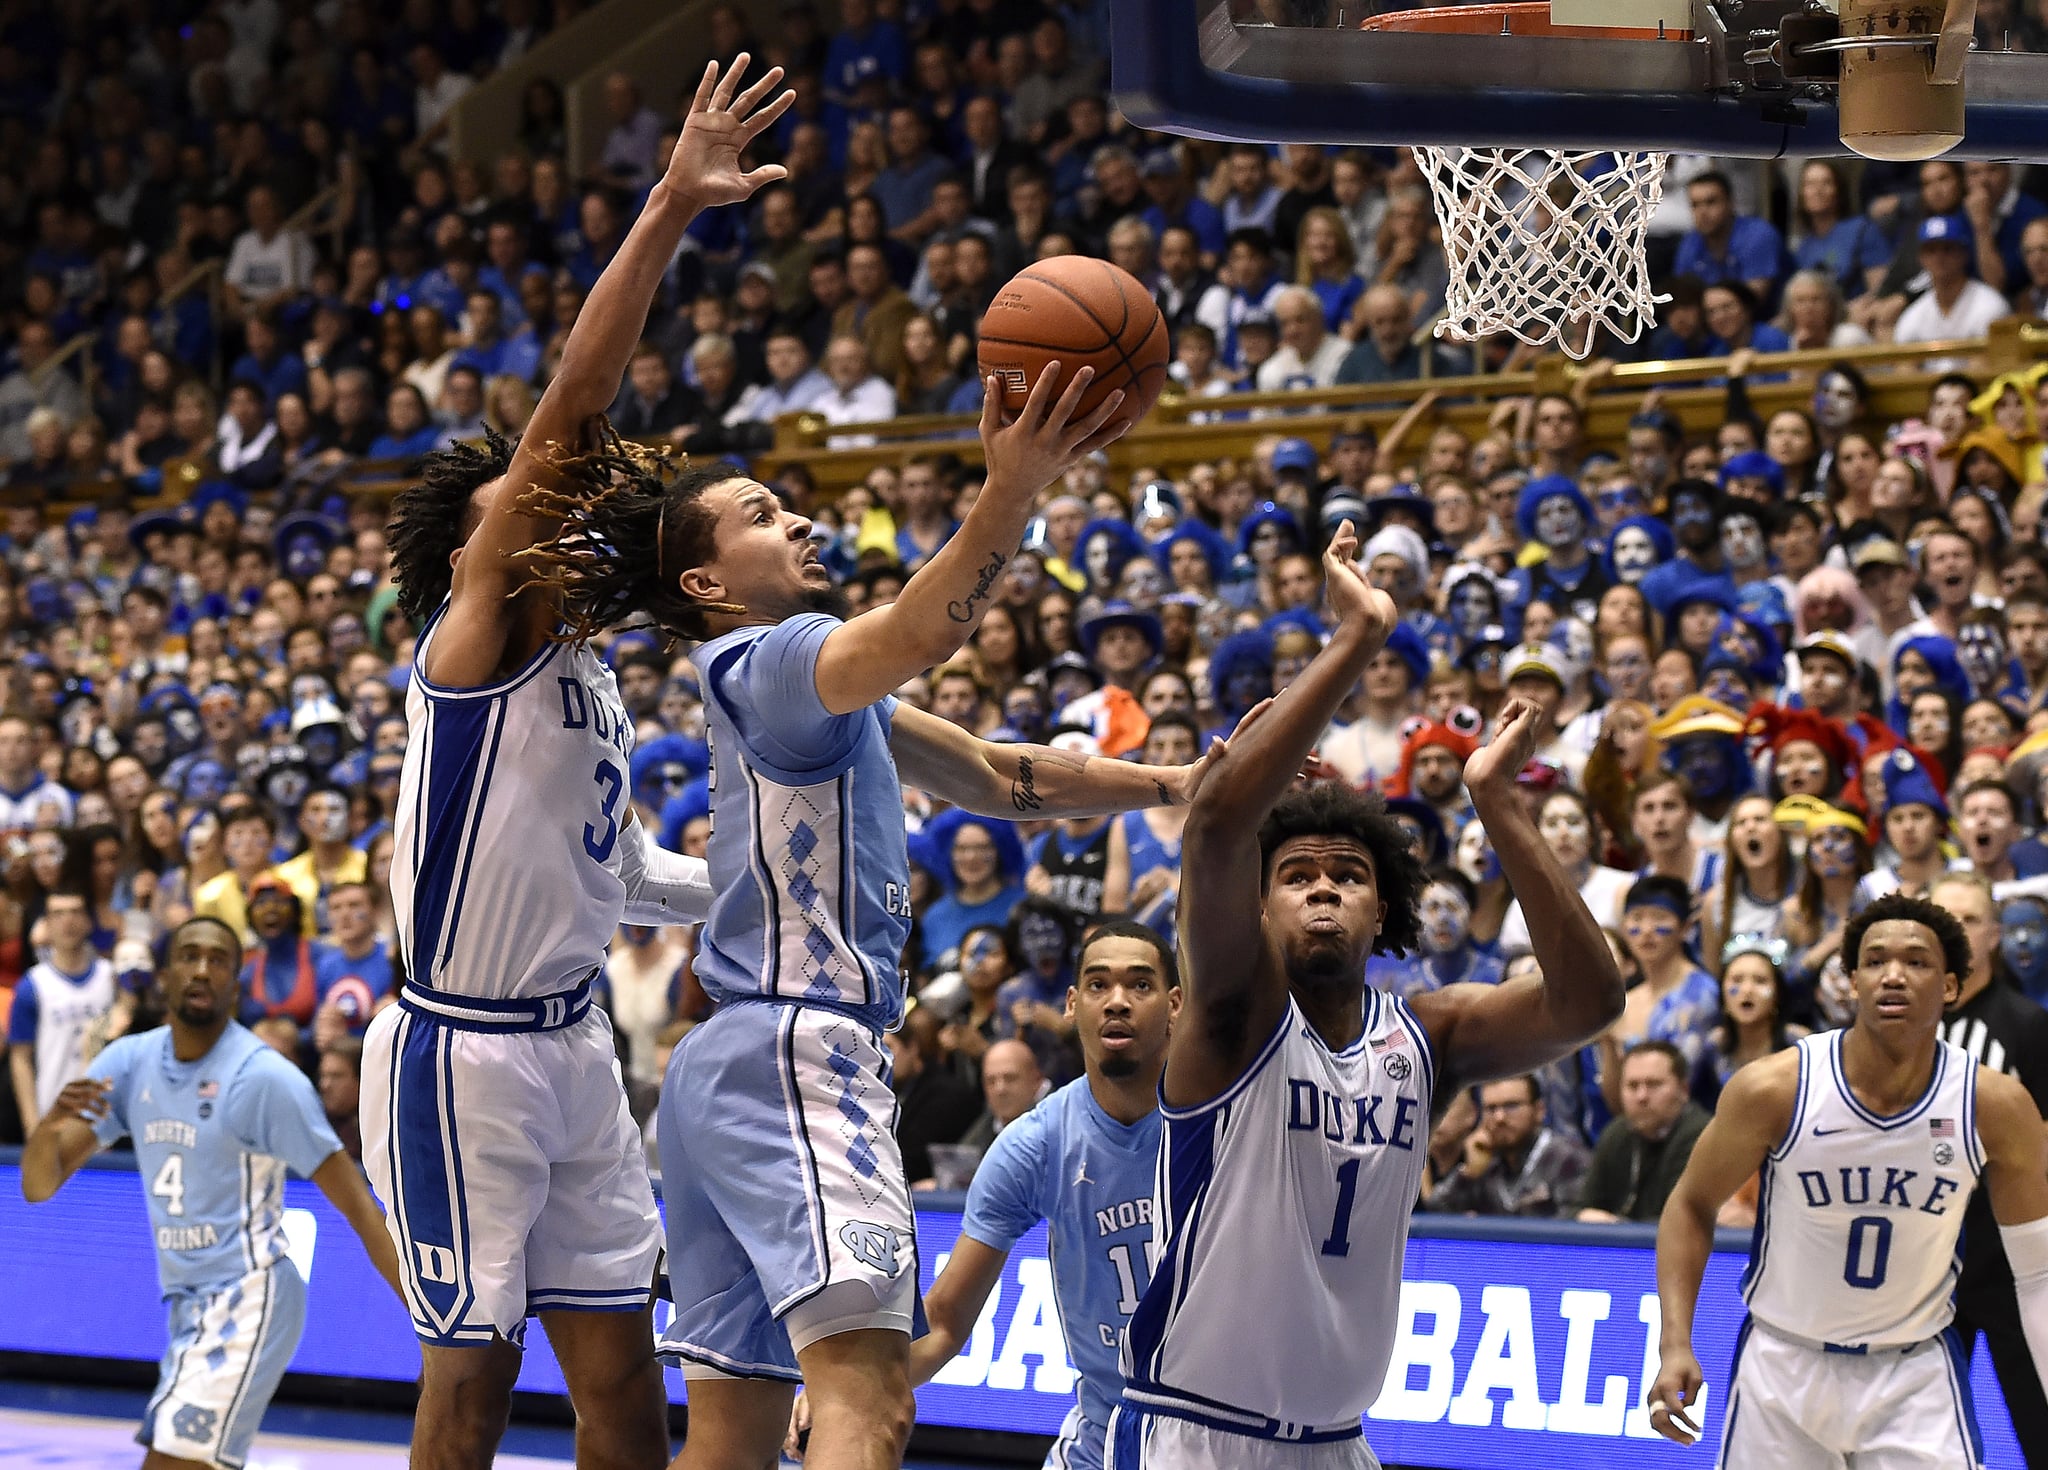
[[1182, 432]]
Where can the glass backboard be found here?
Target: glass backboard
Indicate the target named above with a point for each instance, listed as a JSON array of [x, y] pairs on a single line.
[[1741, 78]]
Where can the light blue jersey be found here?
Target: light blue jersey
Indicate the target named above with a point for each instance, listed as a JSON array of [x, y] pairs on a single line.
[[1090, 1178], [213, 1139], [807, 850]]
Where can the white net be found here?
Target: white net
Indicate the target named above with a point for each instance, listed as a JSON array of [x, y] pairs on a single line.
[[1544, 245]]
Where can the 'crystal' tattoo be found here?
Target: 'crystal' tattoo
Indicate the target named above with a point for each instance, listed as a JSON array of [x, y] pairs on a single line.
[[962, 610]]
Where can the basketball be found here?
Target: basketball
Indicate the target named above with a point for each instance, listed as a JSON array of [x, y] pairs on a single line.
[[1080, 312]]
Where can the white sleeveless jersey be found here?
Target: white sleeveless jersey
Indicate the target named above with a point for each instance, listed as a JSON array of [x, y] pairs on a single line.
[[1283, 1210], [1859, 1217], [505, 869]]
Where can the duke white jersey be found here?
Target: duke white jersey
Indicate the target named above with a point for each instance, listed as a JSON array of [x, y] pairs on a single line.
[[505, 870], [1283, 1210], [1859, 1217]]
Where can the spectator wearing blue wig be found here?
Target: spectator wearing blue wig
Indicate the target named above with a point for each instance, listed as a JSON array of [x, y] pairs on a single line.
[[1104, 548], [1927, 662], [1202, 565], [1240, 675], [980, 863], [1555, 514], [691, 804]]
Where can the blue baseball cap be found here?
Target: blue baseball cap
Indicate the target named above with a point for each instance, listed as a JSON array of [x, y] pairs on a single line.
[[1948, 229]]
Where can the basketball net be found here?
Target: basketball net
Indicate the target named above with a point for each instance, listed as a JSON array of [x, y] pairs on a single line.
[[1545, 246]]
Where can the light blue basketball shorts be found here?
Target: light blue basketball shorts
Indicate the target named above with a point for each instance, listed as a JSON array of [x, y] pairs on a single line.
[[788, 1215]]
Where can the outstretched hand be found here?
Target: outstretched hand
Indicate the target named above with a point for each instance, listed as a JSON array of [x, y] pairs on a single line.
[[1352, 597], [1517, 734], [705, 167], [1028, 450]]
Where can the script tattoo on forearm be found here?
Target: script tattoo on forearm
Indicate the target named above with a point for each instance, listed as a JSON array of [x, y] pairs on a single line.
[[1165, 796], [962, 610], [1023, 791]]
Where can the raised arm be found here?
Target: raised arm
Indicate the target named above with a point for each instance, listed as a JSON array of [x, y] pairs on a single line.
[[480, 637], [1231, 1000], [1486, 1032], [342, 1182], [1025, 783], [63, 1140], [1755, 1111], [943, 603]]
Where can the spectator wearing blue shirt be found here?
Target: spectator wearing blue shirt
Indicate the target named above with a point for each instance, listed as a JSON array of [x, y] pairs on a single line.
[[1725, 246], [1831, 237], [598, 219], [905, 186], [505, 246], [352, 967], [861, 49], [489, 350], [2000, 211], [409, 430], [1176, 204], [266, 363], [1731, 311], [981, 865], [1254, 198]]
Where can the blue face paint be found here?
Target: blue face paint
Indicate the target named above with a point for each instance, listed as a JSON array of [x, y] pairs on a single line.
[[1707, 765], [2023, 943]]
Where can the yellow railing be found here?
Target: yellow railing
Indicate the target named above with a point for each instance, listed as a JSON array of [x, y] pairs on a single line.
[[1171, 439], [1180, 432]]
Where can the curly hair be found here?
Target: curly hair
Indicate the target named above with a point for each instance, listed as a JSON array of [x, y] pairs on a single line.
[[1948, 930], [631, 521], [1331, 809], [432, 517]]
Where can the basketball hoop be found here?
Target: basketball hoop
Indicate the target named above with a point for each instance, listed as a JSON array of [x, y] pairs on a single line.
[[1545, 246]]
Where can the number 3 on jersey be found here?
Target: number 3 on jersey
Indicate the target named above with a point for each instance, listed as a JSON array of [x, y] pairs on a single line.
[[612, 782]]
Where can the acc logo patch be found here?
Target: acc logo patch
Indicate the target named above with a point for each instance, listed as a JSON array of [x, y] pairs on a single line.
[[1944, 1154], [1398, 1067], [874, 1246]]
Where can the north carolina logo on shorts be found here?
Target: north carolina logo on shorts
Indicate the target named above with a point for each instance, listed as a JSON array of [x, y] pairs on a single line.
[[874, 1246]]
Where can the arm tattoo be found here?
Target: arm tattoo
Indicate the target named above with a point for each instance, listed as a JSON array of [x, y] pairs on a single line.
[[1165, 796], [962, 610], [1023, 792]]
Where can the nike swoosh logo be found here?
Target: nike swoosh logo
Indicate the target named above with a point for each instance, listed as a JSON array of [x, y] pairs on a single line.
[[1825, 1132]]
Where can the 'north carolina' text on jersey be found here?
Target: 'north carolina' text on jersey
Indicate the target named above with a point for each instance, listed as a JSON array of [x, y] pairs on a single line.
[[1859, 1217], [213, 1138], [1089, 1177], [807, 851], [1283, 1212], [505, 865]]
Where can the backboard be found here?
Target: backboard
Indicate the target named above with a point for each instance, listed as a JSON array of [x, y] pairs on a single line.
[[1741, 78]]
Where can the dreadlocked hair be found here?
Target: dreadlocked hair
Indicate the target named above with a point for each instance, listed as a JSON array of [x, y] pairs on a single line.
[[431, 518], [1332, 809], [631, 522]]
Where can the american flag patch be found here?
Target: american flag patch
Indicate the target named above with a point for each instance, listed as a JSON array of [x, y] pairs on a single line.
[[1392, 1038], [1942, 1127], [209, 1089]]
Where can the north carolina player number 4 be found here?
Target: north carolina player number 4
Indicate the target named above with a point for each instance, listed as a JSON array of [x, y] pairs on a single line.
[[169, 1184]]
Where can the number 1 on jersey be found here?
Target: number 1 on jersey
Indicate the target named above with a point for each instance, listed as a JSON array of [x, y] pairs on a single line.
[[1339, 1243]]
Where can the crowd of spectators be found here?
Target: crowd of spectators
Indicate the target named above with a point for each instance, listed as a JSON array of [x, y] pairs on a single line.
[[1791, 661]]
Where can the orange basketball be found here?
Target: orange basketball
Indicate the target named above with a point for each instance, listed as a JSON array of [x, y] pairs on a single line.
[[1079, 311]]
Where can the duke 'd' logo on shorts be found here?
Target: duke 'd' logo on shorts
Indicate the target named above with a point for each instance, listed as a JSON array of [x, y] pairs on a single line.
[[874, 1246]]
